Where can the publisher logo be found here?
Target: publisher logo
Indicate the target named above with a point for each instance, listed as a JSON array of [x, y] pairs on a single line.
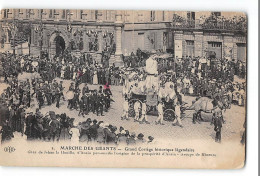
[[9, 149]]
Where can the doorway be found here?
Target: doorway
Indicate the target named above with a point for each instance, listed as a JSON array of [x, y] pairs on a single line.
[[59, 45]]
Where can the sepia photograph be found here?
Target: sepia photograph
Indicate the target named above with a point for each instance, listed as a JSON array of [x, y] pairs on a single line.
[[124, 88]]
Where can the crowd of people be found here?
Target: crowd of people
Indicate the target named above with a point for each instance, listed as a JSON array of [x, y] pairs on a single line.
[[83, 68], [214, 78], [165, 81], [41, 88], [164, 86], [23, 95], [37, 94], [60, 127]]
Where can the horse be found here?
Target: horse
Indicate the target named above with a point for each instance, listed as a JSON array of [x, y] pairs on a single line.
[[206, 105]]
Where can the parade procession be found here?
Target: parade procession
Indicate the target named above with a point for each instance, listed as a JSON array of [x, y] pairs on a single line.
[[118, 85]]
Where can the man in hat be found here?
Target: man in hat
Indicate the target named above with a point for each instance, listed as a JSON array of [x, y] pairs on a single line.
[[217, 127], [21, 118], [76, 97], [100, 89], [100, 104], [47, 92], [100, 132], [21, 91], [93, 130], [140, 139], [6, 131], [110, 136], [85, 131], [85, 89], [150, 140], [57, 96], [39, 96], [84, 105], [54, 126], [29, 130]]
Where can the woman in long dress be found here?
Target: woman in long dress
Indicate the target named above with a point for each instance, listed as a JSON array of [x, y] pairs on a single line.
[[95, 77]]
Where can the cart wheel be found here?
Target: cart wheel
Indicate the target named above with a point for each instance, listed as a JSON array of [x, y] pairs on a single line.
[[169, 115]]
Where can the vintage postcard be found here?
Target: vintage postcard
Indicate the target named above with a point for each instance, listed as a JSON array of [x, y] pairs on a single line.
[[123, 88]]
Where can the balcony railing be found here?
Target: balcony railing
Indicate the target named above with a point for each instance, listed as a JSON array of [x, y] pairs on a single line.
[[184, 24], [211, 23], [225, 25]]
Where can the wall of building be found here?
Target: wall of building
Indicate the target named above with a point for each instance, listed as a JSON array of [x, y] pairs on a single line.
[[143, 29]]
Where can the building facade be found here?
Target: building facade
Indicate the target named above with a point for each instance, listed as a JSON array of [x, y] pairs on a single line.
[[195, 34]]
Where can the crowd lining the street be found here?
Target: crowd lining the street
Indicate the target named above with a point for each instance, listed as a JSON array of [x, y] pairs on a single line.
[[195, 76]]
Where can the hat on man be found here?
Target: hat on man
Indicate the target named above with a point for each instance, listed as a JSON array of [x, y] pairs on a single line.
[[121, 128], [150, 138], [140, 136]]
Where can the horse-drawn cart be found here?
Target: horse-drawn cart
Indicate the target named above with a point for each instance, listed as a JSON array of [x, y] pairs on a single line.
[[147, 88], [151, 106]]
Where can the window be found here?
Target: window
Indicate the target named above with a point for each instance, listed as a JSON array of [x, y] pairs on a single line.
[[96, 14], [40, 13], [215, 44], [108, 15], [81, 14], [63, 14], [163, 15], [216, 14], [50, 14], [55, 13], [191, 15], [190, 42], [6, 12], [153, 15]]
